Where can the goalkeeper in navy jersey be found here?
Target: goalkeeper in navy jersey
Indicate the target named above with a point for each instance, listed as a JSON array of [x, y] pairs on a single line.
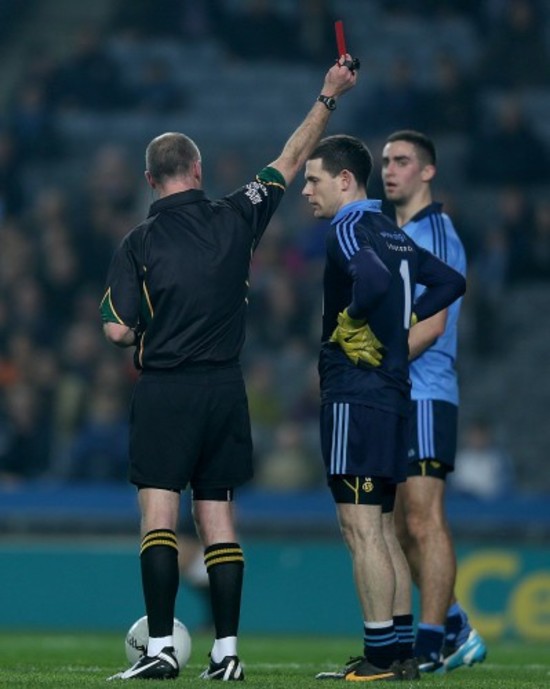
[[444, 637], [372, 268]]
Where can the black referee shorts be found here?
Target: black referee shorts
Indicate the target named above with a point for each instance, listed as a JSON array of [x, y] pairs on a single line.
[[190, 426]]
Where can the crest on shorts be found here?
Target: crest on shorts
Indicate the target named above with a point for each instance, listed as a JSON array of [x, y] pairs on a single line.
[[368, 485]]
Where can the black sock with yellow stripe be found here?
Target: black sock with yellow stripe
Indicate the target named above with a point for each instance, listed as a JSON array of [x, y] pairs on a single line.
[[225, 565], [160, 579]]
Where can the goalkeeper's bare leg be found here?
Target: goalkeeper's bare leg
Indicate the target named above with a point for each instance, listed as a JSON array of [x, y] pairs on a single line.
[[374, 578]]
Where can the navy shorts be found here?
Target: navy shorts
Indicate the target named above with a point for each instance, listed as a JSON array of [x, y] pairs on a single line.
[[357, 440], [433, 438], [190, 426]]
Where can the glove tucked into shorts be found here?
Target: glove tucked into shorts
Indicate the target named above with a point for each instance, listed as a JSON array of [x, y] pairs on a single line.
[[357, 340]]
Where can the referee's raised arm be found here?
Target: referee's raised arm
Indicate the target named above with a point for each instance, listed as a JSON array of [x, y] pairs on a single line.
[[338, 80], [177, 291]]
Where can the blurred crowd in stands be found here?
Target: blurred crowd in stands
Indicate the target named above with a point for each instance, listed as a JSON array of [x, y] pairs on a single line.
[[63, 392]]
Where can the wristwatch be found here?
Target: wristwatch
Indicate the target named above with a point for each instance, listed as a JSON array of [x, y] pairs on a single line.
[[328, 101]]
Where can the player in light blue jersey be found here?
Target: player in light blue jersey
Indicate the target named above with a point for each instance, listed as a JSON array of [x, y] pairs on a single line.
[[444, 638]]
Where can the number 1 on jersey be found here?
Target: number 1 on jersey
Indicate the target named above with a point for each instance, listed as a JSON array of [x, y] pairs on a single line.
[[406, 277]]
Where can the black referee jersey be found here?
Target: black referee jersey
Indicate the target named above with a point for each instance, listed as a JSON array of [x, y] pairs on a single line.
[[181, 276]]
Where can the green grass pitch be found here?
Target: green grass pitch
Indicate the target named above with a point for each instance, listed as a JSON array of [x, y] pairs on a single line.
[[82, 660]]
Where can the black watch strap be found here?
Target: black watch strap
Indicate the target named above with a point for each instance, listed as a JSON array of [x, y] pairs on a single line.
[[328, 101]]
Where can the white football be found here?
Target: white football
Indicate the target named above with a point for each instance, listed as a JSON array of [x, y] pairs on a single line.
[[138, 636]]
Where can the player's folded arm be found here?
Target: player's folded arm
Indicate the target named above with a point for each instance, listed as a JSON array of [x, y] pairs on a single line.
[[371, 280], [444, 285]]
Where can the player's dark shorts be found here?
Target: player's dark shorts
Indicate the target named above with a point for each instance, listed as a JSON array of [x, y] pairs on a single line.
[[357, 440], [433, 438], [363, 490], [190, 426]]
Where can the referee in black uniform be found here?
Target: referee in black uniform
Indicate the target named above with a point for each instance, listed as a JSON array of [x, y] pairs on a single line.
[[177, 291]]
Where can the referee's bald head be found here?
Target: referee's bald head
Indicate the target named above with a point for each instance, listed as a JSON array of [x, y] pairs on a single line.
[[171, 155]]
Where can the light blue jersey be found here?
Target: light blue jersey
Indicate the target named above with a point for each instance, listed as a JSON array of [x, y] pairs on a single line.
[[433, 373]]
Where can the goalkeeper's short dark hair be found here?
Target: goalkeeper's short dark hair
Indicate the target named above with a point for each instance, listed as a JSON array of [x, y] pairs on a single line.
[[343, 152], [425, 147]]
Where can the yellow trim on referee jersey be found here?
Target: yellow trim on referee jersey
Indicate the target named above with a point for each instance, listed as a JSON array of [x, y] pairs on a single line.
[[148, 299], [270, 176]]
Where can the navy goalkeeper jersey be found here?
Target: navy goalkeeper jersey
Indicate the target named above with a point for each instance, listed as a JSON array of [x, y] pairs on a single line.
[[372, 267]]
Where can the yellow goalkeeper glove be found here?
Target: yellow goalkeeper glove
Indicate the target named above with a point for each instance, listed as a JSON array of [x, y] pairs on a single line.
[[357, 340]]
